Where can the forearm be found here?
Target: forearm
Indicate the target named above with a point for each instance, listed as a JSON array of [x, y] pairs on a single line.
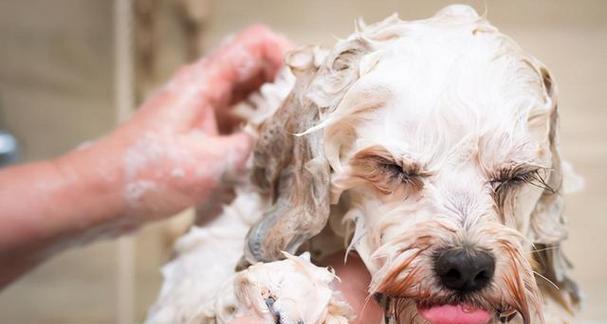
[[168, 157], [47, 206]]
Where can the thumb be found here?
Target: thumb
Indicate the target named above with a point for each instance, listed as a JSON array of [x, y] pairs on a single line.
[[230, 151]]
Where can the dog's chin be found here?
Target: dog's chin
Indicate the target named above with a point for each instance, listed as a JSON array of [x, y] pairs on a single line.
[[460, 313]]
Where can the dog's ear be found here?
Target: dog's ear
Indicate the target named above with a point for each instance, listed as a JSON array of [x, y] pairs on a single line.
[[291, 170], [547, 224], [289, 162]]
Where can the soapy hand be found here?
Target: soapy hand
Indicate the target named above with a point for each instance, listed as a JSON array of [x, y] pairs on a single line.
[[169, 156], [179, 145]]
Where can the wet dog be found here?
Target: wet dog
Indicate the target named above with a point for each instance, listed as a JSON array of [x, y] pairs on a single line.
[[430, 146]]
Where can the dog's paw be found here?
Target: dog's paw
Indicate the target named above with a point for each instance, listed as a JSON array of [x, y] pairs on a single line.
[[291, 291]]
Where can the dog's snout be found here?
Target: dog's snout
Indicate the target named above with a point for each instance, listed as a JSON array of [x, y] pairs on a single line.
[[464, 270]]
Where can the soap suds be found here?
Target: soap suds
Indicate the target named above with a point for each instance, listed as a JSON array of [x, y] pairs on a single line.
[[178, 173], [136, 190]]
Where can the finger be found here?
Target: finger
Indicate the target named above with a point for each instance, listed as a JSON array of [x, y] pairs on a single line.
[[238, 67], [206, 120], [250, 58], [224, 154], [227, 121]]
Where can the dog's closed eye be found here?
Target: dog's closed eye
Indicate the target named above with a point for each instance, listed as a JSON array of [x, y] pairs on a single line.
[[385, 172], [511, 177], [400, 173]]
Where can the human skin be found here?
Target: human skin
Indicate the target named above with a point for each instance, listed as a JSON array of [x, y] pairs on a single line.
[[117, 183], [354, 280]]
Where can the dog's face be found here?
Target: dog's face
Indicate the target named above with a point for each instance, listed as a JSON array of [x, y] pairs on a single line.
[[440, 137], [446, 157]]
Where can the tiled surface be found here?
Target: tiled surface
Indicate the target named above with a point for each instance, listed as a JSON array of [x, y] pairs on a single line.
[[55, 92]]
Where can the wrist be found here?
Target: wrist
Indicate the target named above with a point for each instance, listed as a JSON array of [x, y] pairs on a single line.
[[63, 202], [93, 178]]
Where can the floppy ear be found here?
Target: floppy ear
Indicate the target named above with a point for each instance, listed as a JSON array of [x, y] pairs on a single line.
[[289, 164], [291, 170], [547, 223]]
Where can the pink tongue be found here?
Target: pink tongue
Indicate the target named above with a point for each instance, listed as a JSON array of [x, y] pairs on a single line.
[[455, 314]]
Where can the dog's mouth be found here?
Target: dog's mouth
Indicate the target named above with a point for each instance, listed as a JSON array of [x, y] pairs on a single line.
[[454, 314], [453, 311]]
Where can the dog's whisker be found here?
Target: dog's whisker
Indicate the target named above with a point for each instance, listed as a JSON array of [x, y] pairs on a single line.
[[546, 279], [547, 248]]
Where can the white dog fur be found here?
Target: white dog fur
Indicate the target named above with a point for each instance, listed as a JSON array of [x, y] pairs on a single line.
[[420, 135]]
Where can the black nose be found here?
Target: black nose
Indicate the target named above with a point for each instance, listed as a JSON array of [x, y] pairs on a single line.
[[464, 270]]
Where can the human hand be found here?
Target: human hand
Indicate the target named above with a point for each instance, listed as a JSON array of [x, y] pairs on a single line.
[[178, 146], [169, 156]]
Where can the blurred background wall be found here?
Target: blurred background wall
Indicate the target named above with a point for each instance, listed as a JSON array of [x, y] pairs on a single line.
[[56, 92]]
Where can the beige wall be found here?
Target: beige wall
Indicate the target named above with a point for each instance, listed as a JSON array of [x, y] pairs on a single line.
[[55, 72], [55, 92]]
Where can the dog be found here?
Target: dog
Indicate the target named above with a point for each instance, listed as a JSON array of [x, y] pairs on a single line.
[[430, 147]]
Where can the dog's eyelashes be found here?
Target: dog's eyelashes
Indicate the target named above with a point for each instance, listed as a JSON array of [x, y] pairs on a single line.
[[503, 183], [509, 178], [397, 172], [396, 177], [394, 170], [378, 167]]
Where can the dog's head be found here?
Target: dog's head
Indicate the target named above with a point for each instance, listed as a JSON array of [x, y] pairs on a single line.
[[438, 137]]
